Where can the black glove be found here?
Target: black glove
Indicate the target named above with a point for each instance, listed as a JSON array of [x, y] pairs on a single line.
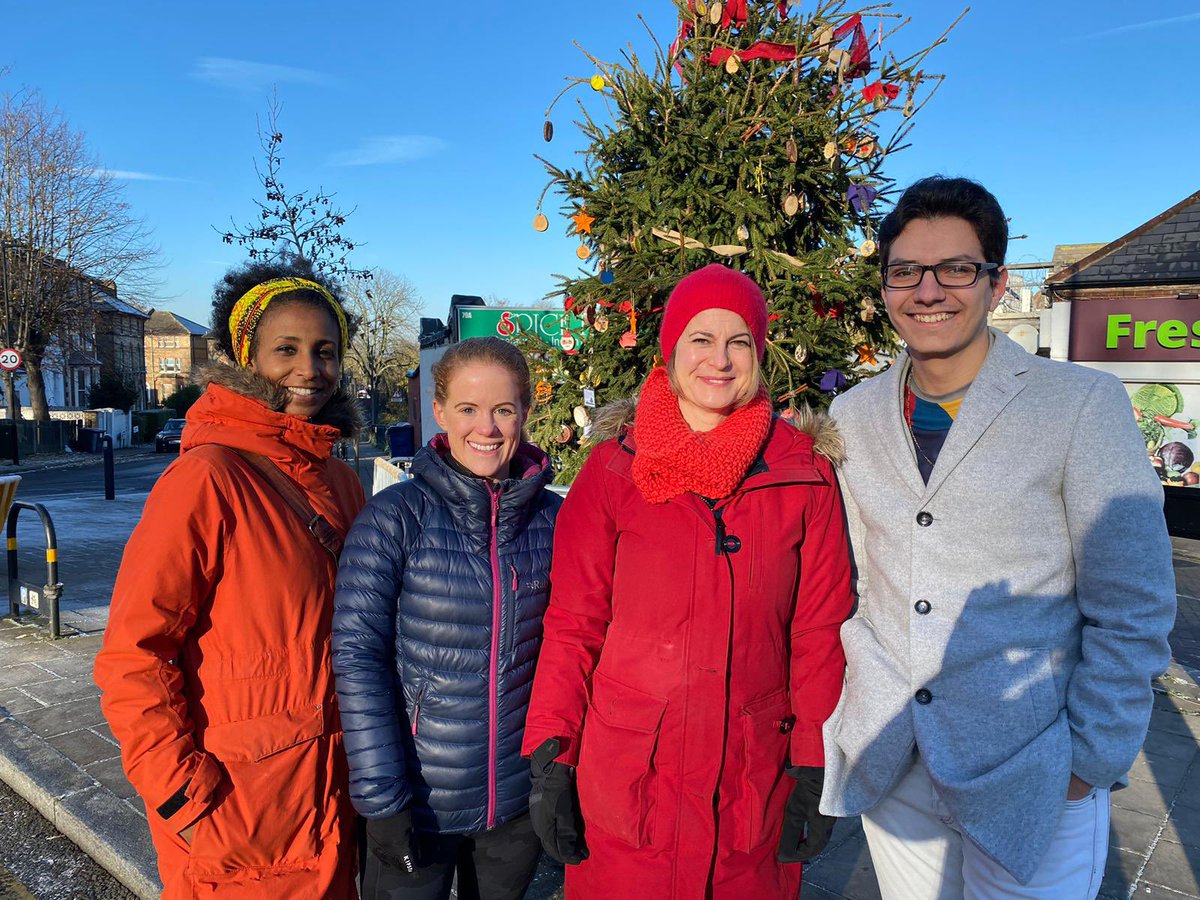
[[806, 830], [391, 840], [554, 806]]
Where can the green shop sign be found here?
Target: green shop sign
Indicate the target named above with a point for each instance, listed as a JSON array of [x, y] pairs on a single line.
[[1156, 330], [548, 324]]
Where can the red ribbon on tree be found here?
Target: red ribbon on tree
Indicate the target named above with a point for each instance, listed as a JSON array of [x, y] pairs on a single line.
[[860, 49], [879, 89], [757, 50]]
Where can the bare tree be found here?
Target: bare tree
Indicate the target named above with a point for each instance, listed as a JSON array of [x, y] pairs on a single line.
[[64, 227], [293, 223], [385, 344]]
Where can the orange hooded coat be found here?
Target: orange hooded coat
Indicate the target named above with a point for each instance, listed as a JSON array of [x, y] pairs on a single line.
[[215, 668]]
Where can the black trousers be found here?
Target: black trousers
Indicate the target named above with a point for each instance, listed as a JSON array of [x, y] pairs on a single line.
[[491, 865]]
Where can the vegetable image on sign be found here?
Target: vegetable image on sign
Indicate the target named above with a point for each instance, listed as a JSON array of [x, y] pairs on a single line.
[[10, 359], [1158, 408]]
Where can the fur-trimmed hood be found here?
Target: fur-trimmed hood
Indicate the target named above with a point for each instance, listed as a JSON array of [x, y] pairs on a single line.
[[341, 412], [610, 420]]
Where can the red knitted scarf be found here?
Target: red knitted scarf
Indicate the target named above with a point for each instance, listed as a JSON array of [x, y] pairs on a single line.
[[671, 459]]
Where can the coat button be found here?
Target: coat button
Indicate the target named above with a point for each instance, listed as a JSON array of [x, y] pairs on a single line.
[[786, 725], [923, 696], [924, 519], [733, 544], [922, 607]]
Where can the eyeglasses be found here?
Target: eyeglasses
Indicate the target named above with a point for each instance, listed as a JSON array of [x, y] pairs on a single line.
[[948, 274]]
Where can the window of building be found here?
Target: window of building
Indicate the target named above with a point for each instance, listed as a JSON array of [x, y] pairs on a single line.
[[169, 364]]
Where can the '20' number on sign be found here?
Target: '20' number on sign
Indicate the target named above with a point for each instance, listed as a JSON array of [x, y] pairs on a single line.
[[10, 359]]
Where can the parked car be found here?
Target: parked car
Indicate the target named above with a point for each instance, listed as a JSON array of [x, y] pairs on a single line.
[[170, 436]]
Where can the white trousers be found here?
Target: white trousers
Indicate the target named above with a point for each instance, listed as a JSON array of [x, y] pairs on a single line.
[[920, 854]]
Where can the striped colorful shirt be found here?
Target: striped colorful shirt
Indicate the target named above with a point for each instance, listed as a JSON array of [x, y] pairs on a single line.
[[929, 420]]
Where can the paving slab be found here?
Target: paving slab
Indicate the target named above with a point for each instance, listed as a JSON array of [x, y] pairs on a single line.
[[74, 715], [59, 690], [84, 747], [1175, 867]]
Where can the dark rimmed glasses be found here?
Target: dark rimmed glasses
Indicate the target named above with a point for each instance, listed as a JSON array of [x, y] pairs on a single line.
[[948, 274]]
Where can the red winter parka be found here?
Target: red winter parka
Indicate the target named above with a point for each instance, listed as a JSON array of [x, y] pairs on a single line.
[[690, 653], [216, 670]]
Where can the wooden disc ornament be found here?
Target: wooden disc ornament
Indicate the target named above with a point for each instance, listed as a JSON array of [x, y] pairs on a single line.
[[700, 8], [565, 435], [743, 233], [801, 353], [582, 419], [868, 311], [583, 252], [867, 248], [714, 13], [540, 222], [830, 150], [601, 324], [732, 65], [793, 152], [791, 205], [548, 131]]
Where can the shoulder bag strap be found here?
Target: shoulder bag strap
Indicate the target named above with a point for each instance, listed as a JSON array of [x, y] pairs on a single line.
[[316, 524]]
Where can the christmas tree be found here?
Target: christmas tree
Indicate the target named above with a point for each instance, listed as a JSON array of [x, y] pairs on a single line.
[[755, 140]]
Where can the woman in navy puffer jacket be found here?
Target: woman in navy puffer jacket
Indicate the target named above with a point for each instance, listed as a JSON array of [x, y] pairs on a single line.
[[437, 624]]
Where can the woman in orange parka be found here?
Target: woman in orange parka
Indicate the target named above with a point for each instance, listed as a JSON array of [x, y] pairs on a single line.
[[215, 669]]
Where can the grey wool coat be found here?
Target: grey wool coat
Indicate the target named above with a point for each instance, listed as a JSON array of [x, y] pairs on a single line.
[[1012, 612]]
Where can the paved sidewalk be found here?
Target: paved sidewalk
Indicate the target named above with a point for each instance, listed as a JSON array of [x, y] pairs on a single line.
[[57, 752]]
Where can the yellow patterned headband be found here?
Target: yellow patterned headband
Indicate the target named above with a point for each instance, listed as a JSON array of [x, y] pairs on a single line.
[[248, 312]]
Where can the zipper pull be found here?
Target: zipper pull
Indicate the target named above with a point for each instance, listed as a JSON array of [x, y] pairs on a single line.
[[513, 569], [720, 531], [417, 708]]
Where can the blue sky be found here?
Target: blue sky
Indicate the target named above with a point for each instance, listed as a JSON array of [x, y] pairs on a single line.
[[1080, 116]]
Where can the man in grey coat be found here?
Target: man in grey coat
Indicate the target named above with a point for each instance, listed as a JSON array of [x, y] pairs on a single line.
[[1014, 581]]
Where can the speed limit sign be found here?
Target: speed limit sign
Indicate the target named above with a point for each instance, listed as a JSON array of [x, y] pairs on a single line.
[[10, 359]]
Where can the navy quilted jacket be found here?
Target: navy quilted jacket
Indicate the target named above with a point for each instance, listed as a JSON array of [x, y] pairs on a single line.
[[436, 627]]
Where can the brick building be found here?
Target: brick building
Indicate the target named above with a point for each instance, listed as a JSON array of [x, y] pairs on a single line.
[[120, 338], [174, 347]]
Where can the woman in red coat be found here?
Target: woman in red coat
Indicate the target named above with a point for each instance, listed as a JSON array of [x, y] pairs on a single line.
[[691, 652]]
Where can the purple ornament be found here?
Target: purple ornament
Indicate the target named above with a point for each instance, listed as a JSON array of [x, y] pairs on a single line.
[[861, 196], [833, 380]]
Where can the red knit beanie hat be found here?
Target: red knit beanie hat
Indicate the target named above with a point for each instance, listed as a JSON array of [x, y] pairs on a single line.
[[713, 287]]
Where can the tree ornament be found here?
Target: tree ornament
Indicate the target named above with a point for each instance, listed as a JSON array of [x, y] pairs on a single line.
[[831, 150], [628, 340], [793, 152], [714, 13], [582, 419], [866, 355], [601, 323], [731, 65], [868, 311], [583, 252], [867, 248], [606, 276], [565, 435], [801, 353], [548, 131], [598, 83], [583, 222], [540, 222], [791, 205], [543, 391], [567, 341], [743, 233], [701, 9], [833, 381]]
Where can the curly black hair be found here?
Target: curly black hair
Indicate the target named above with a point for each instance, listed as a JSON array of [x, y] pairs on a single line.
[[238, 280]]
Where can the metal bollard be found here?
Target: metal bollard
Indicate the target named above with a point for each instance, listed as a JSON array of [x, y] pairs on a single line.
[[26, 593], [110, 487]]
